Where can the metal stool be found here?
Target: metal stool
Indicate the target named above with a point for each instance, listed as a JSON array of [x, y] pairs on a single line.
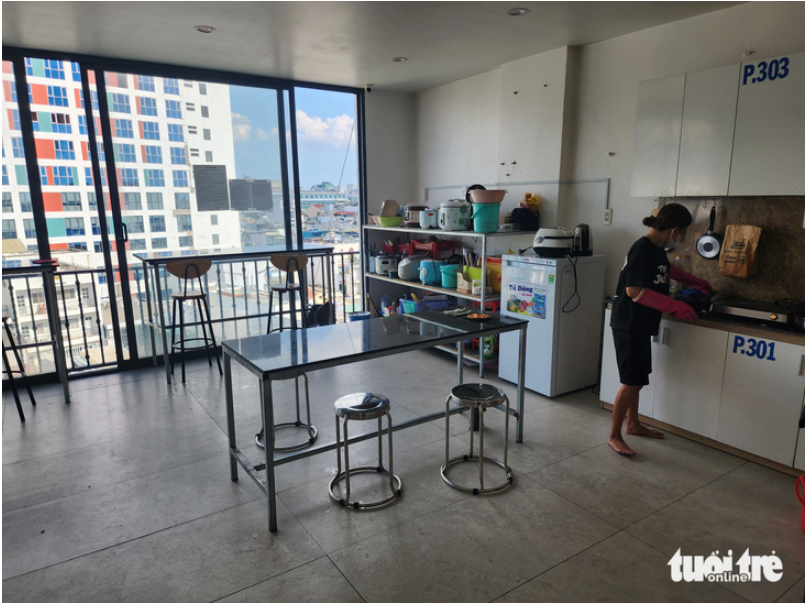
[[312, 432], [290, 264], [21, 370], [363, 407], [478, 396]]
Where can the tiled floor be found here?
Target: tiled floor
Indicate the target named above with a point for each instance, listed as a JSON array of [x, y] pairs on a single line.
[[125, 496]]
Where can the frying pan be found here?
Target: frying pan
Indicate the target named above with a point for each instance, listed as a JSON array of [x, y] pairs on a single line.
[[709, 244]]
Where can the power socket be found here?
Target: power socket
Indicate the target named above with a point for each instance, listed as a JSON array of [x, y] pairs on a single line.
[[607, 217]]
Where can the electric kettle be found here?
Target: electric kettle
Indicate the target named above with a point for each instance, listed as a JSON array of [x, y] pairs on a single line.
[[582, 240]]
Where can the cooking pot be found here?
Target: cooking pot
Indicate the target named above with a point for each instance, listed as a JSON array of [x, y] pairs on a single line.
[[385, 264], [429, 218], [553, 242], [408, 268], [429, 273], [709, 244], [454, 215]]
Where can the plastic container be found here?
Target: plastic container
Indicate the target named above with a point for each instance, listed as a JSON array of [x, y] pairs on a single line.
[[390, 222], [494, 272], [485, 216], [450, 275], [433, 247], [475, 274], [359, 316], [407, 306]]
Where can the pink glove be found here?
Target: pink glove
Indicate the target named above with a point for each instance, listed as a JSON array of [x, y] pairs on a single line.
[[690, 280], [665, 304]]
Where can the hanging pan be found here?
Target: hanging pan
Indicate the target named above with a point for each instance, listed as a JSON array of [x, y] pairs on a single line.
[[709, 244]]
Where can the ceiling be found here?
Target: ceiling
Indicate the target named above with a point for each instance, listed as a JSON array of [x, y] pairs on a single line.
[[340, 43]]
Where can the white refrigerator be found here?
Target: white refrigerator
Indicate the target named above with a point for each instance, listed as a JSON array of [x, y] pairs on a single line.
[[563, 301]]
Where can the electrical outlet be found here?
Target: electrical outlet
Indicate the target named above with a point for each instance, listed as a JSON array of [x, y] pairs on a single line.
[[607, 217]]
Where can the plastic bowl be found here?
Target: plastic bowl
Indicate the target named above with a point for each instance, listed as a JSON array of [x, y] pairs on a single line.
[[395, 221], [479, 196]]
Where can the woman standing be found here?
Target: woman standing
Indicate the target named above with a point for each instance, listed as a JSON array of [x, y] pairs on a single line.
[[641, 298]]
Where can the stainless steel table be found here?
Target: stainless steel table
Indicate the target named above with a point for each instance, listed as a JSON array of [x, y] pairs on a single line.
[[155, 259], [290, 353]]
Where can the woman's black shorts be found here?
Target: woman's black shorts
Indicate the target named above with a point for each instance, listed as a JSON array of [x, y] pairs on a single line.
[[633, 351]]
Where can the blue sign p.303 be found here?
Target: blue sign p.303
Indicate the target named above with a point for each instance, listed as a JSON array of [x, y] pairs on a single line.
[[776, 69]]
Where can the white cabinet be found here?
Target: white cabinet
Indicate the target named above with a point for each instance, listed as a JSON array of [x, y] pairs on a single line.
[[799, 458], [764, 385], [657, 131], [690, 372], [768, 152], [708, 124]]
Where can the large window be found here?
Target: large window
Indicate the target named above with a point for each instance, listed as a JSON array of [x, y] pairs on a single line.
[[132, 201], [153, 154], [150, 130], [145, 82], [173, 109], [129, 177], [184, 222], [8, 204], [135, 224], [154, 201], [9, 229], [74, 227], [57, 96], [126, 153], [180, 178], [63, 176], [148, 106], [182, 200], [175, 133], [71, 201], [154, 178], [123, 128], [54, 70], [171, 85], [159, 243], [120, 103], [157, 223], [178, 156]]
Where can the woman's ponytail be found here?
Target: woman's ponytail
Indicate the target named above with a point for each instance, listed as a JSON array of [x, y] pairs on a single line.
[[670, 216]]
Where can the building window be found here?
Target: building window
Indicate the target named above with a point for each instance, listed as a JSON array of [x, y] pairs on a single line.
[[9, 229], [101, 279], [25, 202], [175, 133], [207, 134], [153, 154], [150, 130], [77, 246], [170, 85], [180, 178], [205, 111], [82, 125], [213, 220], [5, 176], [8, 204], [91, 181], [202, 89], [92, 199], [57, 96], [185, 222], [216, 240], [54, 69], [148, 106], [64, 149], [157, 223], [208, 156], [173, 109], [17, 148], [154, 200], [190, 106], [15, 120], [154, 178], [182, 200], [190, 129], [13, 87], [29, 69], [194, 152], [95, 226], [136, 244], [123, 128], [178, 156], [59, 122], [71, 201], [74, 226], [188, 84], [43, 175], [94, 95], [98, 247], [159, 243], [134, 224], [121, 103], [185, 241], [132, 201], [145, 82], [63, 176], [30, 229], [126, 153], [129, 177]]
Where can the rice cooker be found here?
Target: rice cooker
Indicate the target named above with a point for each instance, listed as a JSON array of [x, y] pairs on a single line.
[[454, 214], [408, 268], [384, 264], [553, 242]]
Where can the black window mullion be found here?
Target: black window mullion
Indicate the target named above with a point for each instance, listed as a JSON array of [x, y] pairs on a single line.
[[295, 164], [286, 193]]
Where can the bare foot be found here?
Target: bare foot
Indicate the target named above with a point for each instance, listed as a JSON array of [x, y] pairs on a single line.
[[619, 446], [640, 430]]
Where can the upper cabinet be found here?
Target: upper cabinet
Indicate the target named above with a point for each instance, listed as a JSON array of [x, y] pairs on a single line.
[[740, 131], [657, 130], [708, 123], [769, 154]]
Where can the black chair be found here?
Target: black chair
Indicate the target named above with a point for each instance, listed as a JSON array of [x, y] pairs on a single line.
[[20, 369], [191, 271]]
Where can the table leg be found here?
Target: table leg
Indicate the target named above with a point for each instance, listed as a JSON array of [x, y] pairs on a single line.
[[161, 310], [60, 357], [150, 314], [268, 431], [520, 388], [230, 416], [460, 357]]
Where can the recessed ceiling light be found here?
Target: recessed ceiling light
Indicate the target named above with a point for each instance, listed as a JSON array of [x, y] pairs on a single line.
[[204, 28], [516, 12], [399, 59]]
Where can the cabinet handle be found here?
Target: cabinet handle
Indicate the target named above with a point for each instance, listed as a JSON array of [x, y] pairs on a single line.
[[664, 336], [802, 366]]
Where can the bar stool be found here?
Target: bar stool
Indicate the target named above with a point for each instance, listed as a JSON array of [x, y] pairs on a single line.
[[191, 271], [290, 264], [478, 396], [21, 369], [363, 407]]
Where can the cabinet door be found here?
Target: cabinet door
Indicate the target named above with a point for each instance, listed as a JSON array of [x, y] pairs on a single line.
[[762, 397], [657, 131], [768, 153], [799, 458], [690, 372], [708, 125]]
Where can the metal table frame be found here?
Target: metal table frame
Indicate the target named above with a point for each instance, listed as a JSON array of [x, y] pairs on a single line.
[[156, 262], [51, 302], [267, 481]]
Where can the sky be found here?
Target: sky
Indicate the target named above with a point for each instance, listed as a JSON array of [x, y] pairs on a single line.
[[325, 123]]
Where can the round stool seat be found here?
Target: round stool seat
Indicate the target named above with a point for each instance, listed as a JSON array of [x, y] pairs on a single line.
[[361, 406], [475, 395]]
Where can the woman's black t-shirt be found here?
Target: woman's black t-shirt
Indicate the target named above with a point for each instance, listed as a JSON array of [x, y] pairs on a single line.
[[646, 266]]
